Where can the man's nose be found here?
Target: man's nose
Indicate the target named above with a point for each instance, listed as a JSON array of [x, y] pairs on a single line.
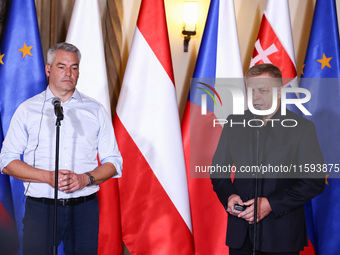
[[68, 72], [255, 95]]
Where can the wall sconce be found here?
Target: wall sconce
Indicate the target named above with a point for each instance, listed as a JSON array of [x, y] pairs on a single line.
[[190, 17]]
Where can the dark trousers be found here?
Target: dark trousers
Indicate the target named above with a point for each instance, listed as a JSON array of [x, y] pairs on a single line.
[[77, 227], [247, 249]]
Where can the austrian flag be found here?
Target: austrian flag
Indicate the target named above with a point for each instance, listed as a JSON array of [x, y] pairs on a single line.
[[154, 197]]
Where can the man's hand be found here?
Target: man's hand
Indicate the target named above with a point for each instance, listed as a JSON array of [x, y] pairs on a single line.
[[70, 181], [263, 209], [232, 201]]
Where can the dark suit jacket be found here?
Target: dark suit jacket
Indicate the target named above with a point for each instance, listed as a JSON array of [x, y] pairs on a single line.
[[283, 230]]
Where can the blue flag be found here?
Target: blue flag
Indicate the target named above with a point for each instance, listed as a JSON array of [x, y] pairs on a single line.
[[320, 76], [5, 188], [8, 232], [21, 77]]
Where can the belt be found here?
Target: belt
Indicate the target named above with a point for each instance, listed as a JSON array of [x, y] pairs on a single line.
[[64, 202]]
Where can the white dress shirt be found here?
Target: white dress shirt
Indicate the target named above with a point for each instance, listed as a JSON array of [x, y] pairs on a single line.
[[85, 132]]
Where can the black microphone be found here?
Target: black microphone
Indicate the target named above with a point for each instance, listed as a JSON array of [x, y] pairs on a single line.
[[58, 109]]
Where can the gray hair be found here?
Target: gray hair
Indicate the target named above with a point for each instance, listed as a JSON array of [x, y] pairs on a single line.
[[51, 53]]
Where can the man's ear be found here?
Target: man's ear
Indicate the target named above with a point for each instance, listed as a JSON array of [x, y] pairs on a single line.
[[279, 92], [47, 70]]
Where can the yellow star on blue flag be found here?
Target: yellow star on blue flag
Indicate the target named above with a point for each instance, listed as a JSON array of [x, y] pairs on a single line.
[[324, 61], [326, 179], [26, 50]]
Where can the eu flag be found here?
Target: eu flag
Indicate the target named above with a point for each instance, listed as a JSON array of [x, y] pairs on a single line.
[[21, 77], [320, 76]]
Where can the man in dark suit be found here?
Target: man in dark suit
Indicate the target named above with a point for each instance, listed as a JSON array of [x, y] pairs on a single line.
[[283, 148]]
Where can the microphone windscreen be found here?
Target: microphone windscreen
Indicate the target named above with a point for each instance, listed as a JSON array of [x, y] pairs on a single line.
[[56, 100]]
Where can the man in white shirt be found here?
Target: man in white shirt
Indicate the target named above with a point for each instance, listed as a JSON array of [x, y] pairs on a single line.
[[86, 131]]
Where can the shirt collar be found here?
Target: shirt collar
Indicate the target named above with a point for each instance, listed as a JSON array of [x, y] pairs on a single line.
[[76, 95]]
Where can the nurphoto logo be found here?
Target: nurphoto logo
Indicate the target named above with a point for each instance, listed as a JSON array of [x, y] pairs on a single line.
[[289, 96], [239, 99]]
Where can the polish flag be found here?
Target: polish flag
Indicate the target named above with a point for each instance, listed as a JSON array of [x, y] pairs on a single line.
[[85, 32], [274, 43], [154, 200]]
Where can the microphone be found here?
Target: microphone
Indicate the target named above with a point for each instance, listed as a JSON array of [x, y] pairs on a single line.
[[256, 195], [58, 109]]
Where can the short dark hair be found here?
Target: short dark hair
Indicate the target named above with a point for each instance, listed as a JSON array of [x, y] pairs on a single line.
[[51, 53], [270, 69]]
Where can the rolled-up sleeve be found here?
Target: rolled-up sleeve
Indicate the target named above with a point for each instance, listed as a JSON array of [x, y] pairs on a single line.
[[107, 144], [15, 141]]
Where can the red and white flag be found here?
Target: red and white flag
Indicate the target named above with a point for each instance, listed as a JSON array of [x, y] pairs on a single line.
[[155, 211], [274, 43], [85, 32]]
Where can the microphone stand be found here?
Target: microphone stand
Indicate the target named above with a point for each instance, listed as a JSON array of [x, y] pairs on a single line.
[[58, 123], [256, 190]]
